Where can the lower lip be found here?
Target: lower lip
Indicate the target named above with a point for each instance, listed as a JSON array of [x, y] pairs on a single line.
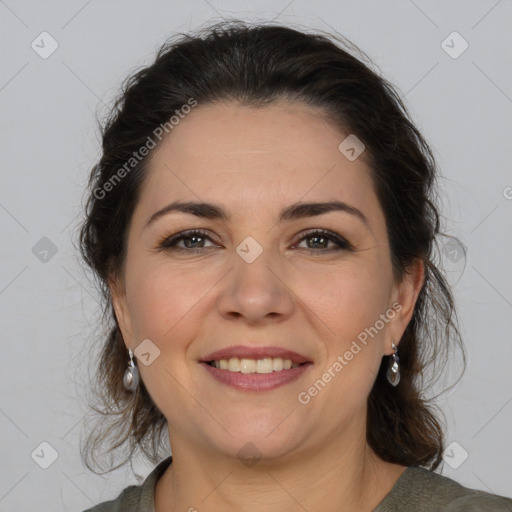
[[256, 381]]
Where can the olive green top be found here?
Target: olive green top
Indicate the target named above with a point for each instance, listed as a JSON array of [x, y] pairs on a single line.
[[417, 490]]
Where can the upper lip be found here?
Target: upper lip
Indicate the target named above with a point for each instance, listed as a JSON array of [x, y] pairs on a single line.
[[252, 352]]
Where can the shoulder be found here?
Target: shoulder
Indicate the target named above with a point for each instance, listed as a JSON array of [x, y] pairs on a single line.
[[135, 498], [127, 501], [425, 491]]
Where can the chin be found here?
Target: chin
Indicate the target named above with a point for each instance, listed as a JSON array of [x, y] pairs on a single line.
[[266, 440]]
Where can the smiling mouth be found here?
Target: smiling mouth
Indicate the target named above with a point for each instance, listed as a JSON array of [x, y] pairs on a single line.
[[264, 365]]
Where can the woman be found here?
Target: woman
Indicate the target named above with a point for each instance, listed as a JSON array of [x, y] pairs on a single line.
[[262, 223]]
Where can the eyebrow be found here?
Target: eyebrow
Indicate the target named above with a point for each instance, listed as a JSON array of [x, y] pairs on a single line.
[[292, 212]]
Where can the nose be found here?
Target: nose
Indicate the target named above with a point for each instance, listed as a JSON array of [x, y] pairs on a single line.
[[256, 292]]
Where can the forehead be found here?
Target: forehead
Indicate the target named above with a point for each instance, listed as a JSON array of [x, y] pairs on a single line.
[[254, 158]]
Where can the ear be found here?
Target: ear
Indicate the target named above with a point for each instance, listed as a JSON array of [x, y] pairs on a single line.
[[118, 294], [405, 295]]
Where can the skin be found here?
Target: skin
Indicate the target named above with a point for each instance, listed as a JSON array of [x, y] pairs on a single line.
[[254, 162]]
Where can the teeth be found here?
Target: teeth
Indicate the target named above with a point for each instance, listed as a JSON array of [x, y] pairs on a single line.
[[277, 364], [233, 364], [266, 365]]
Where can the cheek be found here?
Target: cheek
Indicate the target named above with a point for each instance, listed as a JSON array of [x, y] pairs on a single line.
[[348, 298], [166, 305], [164, 301], [350, 303]]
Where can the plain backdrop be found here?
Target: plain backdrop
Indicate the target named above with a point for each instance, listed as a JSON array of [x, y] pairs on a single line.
[[460, 98]]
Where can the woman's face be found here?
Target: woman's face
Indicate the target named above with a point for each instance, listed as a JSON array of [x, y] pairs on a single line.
[[257, 284]]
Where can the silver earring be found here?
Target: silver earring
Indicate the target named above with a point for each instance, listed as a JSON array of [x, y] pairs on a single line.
[[393, 374], [131, 375]]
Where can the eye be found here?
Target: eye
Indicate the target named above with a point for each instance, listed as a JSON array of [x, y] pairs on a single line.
[[321, 239], [193, 241]]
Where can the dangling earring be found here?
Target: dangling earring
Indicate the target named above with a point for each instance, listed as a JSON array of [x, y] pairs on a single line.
[[393, 374], [131, 375]]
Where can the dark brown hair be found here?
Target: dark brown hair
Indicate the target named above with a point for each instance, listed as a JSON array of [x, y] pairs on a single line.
[[257, 65]]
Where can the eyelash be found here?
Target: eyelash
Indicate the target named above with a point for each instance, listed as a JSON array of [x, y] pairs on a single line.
[[170, 243]]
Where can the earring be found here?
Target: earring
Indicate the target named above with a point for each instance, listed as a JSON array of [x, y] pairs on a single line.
[[393, 374], [131, 375]]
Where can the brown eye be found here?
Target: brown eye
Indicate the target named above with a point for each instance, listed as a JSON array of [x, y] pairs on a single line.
[[193, 241], [320, 241]]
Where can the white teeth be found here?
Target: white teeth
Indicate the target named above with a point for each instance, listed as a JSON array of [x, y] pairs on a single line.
[[277, 364], [247, 365], [234, 364], [265, 365]]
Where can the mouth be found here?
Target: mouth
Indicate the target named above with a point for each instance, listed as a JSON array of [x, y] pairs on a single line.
[[255, 368], [253, 359], [245, 365]]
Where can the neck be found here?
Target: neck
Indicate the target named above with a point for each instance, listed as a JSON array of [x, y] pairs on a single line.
[[337, 476]]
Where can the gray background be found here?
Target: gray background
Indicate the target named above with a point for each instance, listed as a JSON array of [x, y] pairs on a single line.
[[49, 141]]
